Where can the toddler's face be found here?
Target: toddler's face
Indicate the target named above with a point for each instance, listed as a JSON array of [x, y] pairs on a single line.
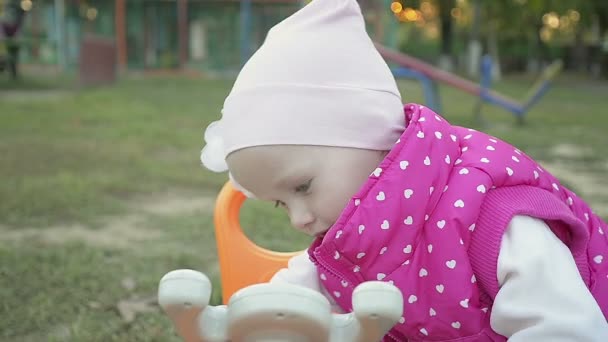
[[312, 183]]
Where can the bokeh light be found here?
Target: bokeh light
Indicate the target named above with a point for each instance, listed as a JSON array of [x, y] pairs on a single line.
[[396, 7], [26, 5], [574, 15], [551, 19], [91, 13], [427, 9]]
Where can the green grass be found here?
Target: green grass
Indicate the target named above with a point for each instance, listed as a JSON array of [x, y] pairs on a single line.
[[76, 162], [78, 156]]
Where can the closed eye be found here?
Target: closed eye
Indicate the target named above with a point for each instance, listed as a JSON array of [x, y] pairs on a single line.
[[303, 187]]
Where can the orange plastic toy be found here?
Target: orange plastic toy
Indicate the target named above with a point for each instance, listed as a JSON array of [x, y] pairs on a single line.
[[242, 262]]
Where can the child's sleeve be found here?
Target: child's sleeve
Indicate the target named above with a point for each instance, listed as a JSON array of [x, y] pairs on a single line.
[[301, 271], [542, 296]]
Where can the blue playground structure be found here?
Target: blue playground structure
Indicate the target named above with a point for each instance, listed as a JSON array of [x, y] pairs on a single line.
[[428, 75], [519, 109]]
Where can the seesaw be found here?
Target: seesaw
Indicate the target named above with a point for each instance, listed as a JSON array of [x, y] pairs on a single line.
[[427, 74]]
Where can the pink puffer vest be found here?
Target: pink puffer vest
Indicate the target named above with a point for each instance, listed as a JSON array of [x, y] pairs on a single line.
[[430, 220]]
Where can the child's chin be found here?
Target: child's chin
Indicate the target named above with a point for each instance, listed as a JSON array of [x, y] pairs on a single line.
[[320, 234]]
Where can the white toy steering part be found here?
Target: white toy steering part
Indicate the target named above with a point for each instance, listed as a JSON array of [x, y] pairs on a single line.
[[276, 312]]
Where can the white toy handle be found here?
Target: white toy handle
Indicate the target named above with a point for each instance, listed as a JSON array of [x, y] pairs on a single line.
[[212, 324], [183, 295], [377, 307], [276, 312]]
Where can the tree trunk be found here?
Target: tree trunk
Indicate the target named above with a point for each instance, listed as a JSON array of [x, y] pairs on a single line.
[[579, 55], [60, 32], [475, 49], [446, 61], [534, 50], [493, 50], [603, 48]]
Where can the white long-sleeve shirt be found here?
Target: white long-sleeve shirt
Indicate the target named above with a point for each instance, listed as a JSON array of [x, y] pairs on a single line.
[[542, 296]]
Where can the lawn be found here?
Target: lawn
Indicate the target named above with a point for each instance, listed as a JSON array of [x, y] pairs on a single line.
[[102, 193]]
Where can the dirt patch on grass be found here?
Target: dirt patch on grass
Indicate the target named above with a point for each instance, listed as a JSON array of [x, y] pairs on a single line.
[[27, 96], [172, 204], [591, 186], [569, 151], [117, 232]]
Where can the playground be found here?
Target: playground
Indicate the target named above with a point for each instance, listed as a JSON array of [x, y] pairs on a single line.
[[102, 190], [88, 228]]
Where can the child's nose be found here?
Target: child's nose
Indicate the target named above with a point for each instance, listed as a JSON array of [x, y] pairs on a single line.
[[301, 218]]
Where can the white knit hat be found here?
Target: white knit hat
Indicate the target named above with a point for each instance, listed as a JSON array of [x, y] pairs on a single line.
[[316, 80]]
